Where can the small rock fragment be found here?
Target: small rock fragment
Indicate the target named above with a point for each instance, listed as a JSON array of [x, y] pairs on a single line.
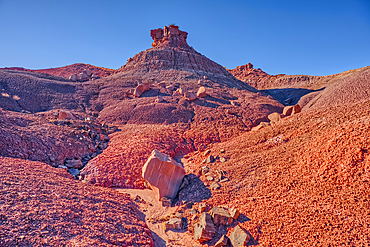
[[234, 212], [210, 159], [222, 159], [190, 96], [202, 206], [221, 216], [215, 186], [210, 178], [239, 237]]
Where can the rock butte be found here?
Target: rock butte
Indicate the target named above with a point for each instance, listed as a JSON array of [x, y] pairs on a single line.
[[301, 177]]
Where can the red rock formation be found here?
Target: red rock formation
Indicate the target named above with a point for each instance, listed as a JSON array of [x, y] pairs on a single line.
[[169, 36]]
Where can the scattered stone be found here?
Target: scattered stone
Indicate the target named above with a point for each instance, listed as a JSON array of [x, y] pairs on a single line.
[[291, 110], [239, 237], [274, 117], [140, 89], [221, 216], [162, 84], [83, 76], [222, 159], [170, 87], [190, 96], [234, 212], [159, 99], [164, 174], [201, 92], [202, 207], [215, 186], [193, 211], [224, 180], [207, 152], [73, 77], [173, 224], [62, 167], [235, 103], [63, 115], [166, 202], [210, 178], [73, 163], [224, 240], [205, 170], [258, 127], [204, 230], [210, 159], [222, 150]]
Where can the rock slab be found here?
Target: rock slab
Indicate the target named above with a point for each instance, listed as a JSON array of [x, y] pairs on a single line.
[[221, 216], [239, 237], [164, 174]]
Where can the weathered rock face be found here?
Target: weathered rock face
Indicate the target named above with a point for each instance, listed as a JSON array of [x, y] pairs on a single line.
[[164, 174], [169, 36]]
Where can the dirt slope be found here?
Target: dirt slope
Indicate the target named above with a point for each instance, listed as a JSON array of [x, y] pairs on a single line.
[[304, 181], [68, 70], [43, 206]]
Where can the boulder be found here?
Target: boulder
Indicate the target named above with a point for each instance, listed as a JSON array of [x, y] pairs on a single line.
[[258, 127], [83, 76], [190, 96], [173, 224], [274, 117], [201, 92], [221, 216], [239, 237], [73, 77], [88, 72], [164, 174], [291, 110], [65, 115], [140, 89], [204, 230]]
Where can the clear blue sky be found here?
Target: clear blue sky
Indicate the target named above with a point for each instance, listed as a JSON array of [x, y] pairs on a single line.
[[315, 37]]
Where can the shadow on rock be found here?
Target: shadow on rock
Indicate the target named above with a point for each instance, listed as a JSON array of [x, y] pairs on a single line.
[[192, 189], [289, 96], [157, 241]]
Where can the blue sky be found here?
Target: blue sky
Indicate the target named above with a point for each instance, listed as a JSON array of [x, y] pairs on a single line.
[[291, 37]]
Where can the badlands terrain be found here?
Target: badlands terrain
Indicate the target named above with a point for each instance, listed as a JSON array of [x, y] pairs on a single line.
[[270, 160]]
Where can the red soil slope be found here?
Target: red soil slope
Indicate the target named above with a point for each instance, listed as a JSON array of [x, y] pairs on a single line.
[[304, 181], [68, 70], [40, 206]]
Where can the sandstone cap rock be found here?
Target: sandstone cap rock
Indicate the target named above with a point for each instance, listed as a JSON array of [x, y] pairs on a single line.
[[164, 174]]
